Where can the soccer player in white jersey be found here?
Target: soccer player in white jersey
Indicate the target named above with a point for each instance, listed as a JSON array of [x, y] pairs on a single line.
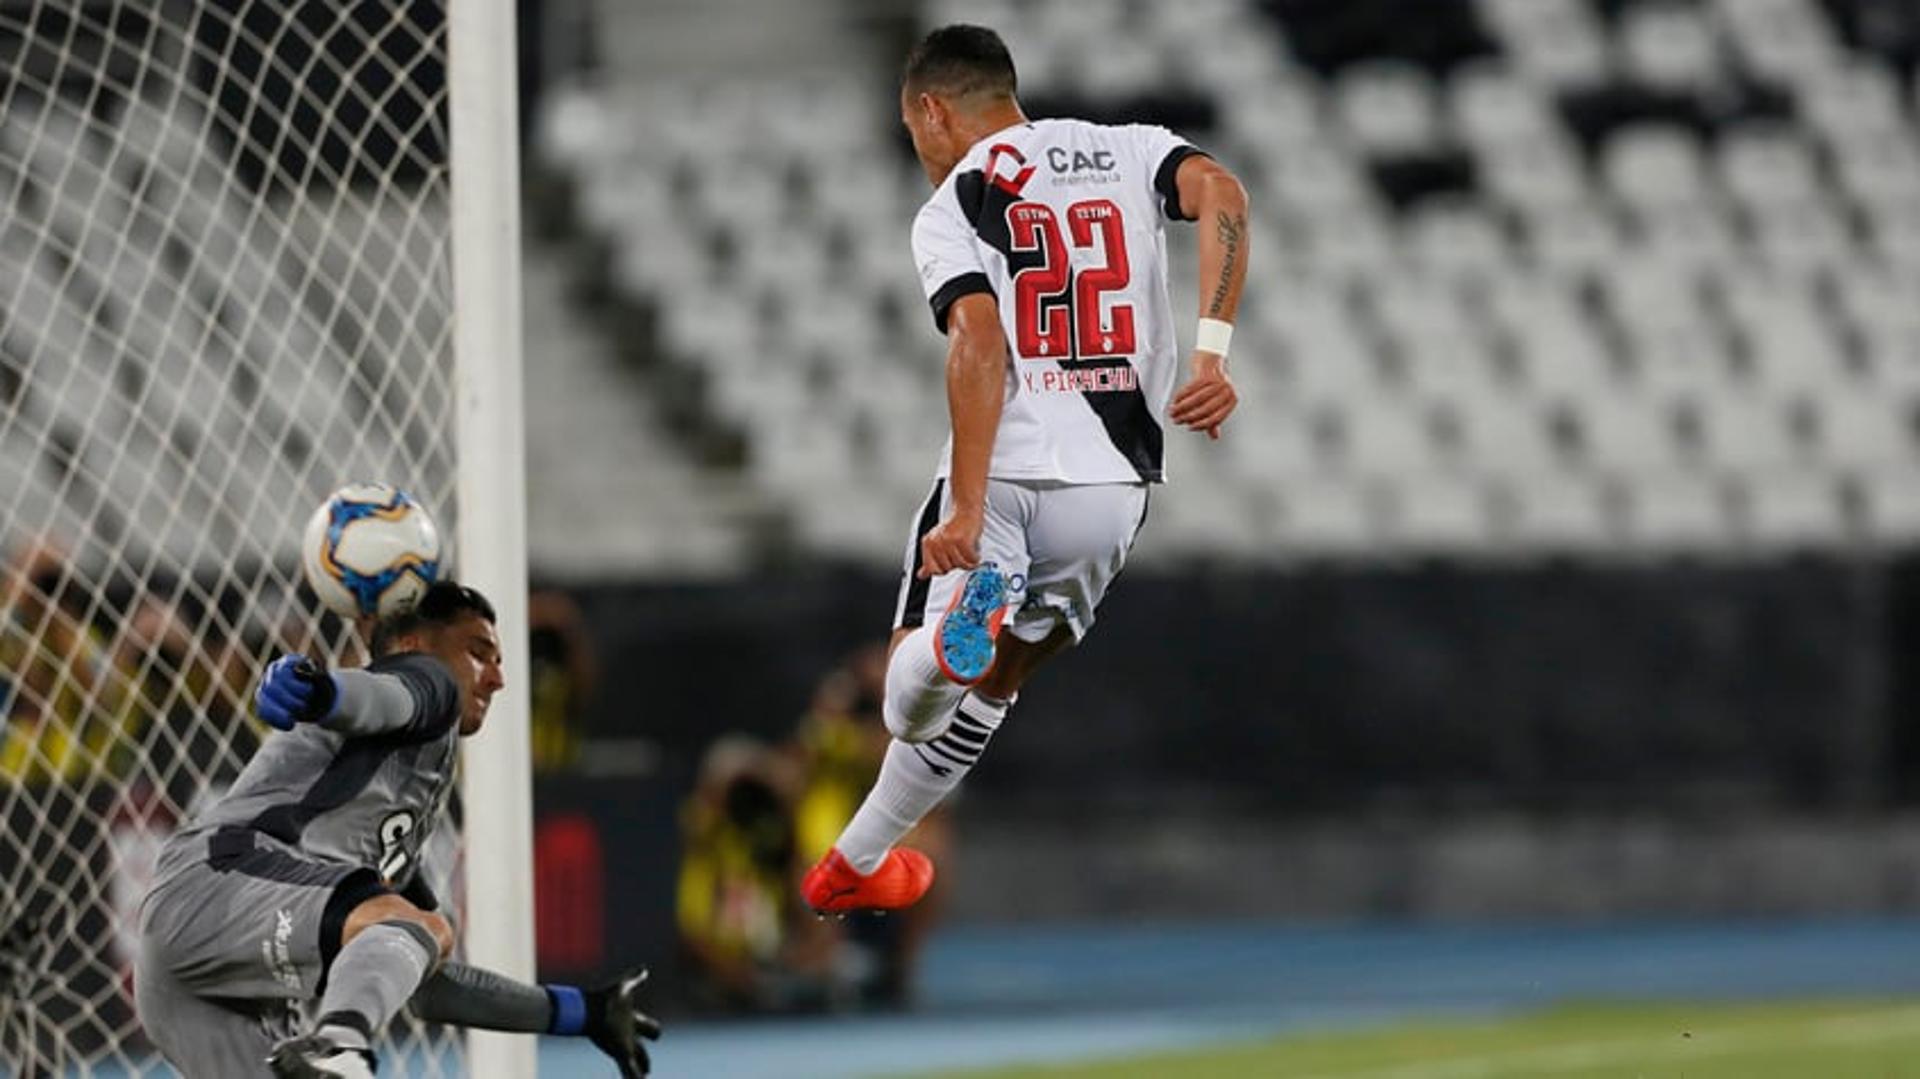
[[1043, 255]]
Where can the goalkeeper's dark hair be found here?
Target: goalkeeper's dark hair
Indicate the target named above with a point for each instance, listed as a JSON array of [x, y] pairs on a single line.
[[443, 603], [958, 60]]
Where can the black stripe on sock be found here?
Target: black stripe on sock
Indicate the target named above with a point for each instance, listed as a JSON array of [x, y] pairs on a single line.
[[972, 723], [950, 754], [974, 740], [971, 756]]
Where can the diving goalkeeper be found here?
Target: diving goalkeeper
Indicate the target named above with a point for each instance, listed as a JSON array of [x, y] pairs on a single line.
[[301, 883]]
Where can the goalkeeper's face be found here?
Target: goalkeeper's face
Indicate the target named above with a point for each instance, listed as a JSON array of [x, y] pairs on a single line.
[[471, 650]]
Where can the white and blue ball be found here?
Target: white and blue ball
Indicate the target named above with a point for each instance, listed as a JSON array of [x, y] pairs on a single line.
[[370, 550]]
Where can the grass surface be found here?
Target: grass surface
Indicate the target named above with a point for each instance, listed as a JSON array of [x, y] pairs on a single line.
[[1824, 1040]]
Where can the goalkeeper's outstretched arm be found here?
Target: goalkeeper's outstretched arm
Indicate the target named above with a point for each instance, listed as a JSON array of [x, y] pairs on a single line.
[[609, 1015]]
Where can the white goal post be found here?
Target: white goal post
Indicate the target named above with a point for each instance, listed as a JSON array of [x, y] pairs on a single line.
[[496, 776], [250, 250]]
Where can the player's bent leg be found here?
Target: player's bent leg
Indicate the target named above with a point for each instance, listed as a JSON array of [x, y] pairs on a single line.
[[389, 948], [930, 667], [1017, 659]]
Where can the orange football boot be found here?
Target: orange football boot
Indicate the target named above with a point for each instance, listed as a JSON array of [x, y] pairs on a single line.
[[835, 887]]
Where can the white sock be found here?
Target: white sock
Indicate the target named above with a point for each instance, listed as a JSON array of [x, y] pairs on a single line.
[[920, 697], [915, 777]]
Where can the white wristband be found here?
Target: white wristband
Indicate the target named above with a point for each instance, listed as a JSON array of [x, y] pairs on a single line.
[[1214, 337]]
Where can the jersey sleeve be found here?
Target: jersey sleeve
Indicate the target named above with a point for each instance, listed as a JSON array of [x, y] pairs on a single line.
[[948, 260], [411, 695], [1162, 151]]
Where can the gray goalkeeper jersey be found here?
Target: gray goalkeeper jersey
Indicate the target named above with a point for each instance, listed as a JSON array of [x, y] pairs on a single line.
[[364, 788]]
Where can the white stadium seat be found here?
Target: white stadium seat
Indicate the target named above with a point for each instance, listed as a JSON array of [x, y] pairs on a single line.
[[1792, 511], [1567, 514], [1648, 166], [1489, 105], [1667, 47], [1676, 514], [1387, 108]]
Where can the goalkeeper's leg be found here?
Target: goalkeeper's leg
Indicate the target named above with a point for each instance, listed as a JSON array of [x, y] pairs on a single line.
[[199, 1037]]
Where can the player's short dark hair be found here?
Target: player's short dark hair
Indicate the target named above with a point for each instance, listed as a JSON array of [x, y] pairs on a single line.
[[442, 604], [958, 60]]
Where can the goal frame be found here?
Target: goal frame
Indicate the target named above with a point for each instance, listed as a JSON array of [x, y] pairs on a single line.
[[490, 477]]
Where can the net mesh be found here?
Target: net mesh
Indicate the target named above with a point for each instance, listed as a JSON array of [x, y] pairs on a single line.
[[224, 291]]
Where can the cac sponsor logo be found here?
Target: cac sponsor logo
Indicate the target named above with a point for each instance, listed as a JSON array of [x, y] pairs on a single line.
[[1081, 166], [1060, 159], [277, 951]]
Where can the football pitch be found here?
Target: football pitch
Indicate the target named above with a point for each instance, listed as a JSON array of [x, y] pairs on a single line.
[[1831, 1039], [1686, 1000]]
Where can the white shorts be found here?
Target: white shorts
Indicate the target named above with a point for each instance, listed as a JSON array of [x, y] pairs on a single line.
[[1060, 545]]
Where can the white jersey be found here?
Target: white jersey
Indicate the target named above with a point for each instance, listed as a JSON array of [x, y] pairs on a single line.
[[1063, 222]]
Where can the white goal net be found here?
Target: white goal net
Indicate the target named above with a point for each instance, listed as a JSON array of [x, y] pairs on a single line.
[[225, 289]]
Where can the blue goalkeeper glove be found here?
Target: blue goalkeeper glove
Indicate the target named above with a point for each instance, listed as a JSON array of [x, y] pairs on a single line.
[[294, 690]]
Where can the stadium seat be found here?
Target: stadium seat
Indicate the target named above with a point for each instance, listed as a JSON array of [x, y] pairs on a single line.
[[1193, 519], [1747, 433], [1855, 102], [1891, 505], [1652, 166], [1387, 108], [1571, 241], [1667, 47], [1766, 167], [1556, 43], [1781, 39], [1569, 514], [1672, 514], [1804, 238], [1623, 436], [1489, 105], [1791, 511], [1455, 238], [1505, 437], [1691, 361], [1387, 440], [1317, 178], [1321, 518], [1445, 364], [1895, 230], [1867, 432], [1538, 174], [1437, 517], [1878, 172], [1274, 119]]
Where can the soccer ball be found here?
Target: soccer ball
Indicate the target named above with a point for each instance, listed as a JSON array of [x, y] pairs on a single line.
[[370, 549]]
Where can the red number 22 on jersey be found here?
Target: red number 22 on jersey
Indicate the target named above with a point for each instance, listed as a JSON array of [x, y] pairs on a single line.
[[1051, 302]]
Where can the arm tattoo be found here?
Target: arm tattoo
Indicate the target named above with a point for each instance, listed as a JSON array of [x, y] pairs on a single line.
[[1231, 230]]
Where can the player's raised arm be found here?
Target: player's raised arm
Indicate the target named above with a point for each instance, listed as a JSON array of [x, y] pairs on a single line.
[[419, 697], [1212, 196], [976, 389]]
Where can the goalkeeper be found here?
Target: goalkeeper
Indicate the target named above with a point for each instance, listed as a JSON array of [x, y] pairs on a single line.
[[301, 883]]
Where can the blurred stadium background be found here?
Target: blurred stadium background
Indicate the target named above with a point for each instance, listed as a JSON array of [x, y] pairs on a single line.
[[1541, 633]]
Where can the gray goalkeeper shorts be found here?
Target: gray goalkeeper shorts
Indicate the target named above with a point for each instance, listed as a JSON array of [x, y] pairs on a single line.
[[232, 941]]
